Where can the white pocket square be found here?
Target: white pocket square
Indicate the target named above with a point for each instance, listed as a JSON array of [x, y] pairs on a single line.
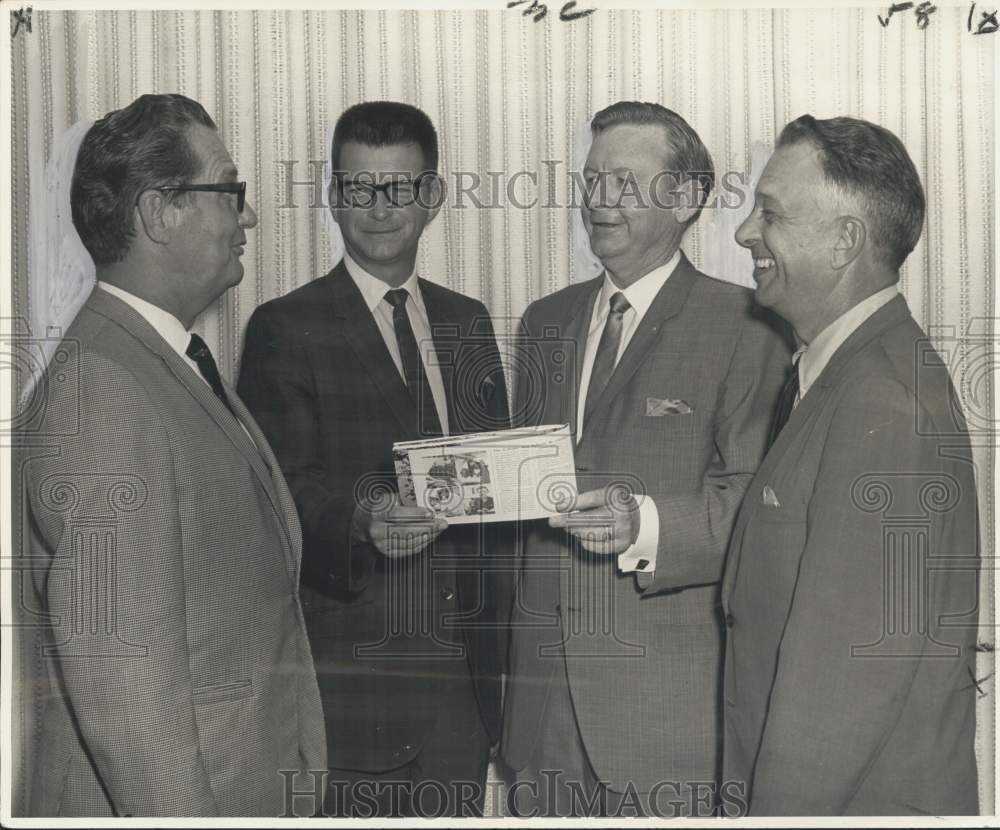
[[769, 498], [656, 407]]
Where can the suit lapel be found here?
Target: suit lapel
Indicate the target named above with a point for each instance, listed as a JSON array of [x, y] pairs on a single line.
[[576, 328], [447, 335], [282, 501], [669, 302], [891, 314], [128, 318], [365, 339]]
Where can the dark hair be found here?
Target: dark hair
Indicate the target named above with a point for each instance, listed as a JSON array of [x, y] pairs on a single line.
[[689, 157], [869, 162], [380, 123], [131, 150]]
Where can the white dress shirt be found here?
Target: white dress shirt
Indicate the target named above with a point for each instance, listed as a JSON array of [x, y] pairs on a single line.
[[812, 358], [374, 291], [168, 327], [640, 296]]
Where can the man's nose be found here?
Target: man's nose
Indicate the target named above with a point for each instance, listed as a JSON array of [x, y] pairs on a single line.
[[746, 233], [381, 206], [248, 218]]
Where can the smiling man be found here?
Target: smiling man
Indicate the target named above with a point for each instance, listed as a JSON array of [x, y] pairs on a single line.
[[406, 643], [613, 699], [179, 681], [850, 658]]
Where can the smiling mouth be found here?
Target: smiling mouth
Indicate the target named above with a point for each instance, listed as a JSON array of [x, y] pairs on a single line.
[[762, 263]]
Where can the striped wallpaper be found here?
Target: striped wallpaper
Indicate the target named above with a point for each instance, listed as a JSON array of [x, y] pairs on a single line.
[[511, 98]]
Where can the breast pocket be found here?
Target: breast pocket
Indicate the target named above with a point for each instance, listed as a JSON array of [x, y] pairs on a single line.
[[776, 538]]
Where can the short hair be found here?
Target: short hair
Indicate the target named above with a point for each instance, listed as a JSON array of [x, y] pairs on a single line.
[[381, 123], [870, 163], [129, 151], [689, 157]]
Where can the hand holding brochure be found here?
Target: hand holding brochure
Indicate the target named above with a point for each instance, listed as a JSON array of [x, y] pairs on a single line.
[[488, 476]]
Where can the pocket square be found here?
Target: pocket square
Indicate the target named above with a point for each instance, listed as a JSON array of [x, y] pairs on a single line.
[[655, 407], [769, 498]]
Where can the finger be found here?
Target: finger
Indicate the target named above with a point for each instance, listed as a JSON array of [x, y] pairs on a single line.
[[405, 544], [590, 500], [399, 513], [382, 506]]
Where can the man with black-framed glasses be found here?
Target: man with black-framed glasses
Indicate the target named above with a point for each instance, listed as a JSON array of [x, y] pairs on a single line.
[[177, 678], [406, 642]]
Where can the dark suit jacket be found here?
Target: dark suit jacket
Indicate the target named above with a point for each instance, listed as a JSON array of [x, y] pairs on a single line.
[[177, 677], [643, 661], [848, 686], [386, 634]]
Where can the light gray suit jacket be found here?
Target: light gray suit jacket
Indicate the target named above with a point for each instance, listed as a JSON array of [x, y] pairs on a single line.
[[175, 678], [643, 660], [850, 592]]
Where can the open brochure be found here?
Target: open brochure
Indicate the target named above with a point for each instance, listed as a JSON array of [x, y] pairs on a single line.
[[488, 476]]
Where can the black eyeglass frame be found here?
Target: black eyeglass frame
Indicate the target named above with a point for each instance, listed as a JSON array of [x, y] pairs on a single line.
[[373, 189], [238, 188]]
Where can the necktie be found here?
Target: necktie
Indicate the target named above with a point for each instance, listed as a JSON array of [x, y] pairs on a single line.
[[414, 373], [785, 404], [199, 353], [607, 352]]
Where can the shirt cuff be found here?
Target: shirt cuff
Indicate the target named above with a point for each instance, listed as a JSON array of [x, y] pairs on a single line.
[[643, 552]]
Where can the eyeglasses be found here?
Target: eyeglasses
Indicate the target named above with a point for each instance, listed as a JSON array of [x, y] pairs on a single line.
[[239, 188], [399, 192]]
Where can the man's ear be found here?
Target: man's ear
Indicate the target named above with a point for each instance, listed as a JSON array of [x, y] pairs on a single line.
[[432, 196], [333, 200], [157, 216], [687, 200], [850, 242]]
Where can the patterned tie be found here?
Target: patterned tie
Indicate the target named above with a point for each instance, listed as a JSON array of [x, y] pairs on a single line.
[[199, 353], [607, 352], [786, 403], [429, 425]]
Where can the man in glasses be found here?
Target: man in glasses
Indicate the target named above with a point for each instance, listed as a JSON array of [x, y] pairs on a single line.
[[178, 678], [403, 634]]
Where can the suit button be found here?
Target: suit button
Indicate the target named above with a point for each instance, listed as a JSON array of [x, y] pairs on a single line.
[[447, 593], [729, 621]]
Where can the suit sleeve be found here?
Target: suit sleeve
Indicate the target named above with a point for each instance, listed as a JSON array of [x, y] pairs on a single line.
[[135, 711], [276, 383], [695, 527], [831, 710]]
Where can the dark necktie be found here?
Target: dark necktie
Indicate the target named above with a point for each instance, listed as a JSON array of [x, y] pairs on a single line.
[[786, 403], [414, 372], [199, 353], [607, 352]]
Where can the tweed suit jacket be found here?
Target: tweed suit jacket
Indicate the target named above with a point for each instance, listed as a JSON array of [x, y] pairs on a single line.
[[851, 593], [392, 639], [642, 659], [177, 675]]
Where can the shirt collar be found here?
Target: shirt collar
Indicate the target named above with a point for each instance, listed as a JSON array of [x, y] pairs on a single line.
[[167, 326], [643, 291], [817, 354], [373, 289]]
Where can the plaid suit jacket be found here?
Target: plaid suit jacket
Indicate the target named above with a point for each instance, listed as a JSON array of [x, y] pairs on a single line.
[[642, 658], [177, 678]]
